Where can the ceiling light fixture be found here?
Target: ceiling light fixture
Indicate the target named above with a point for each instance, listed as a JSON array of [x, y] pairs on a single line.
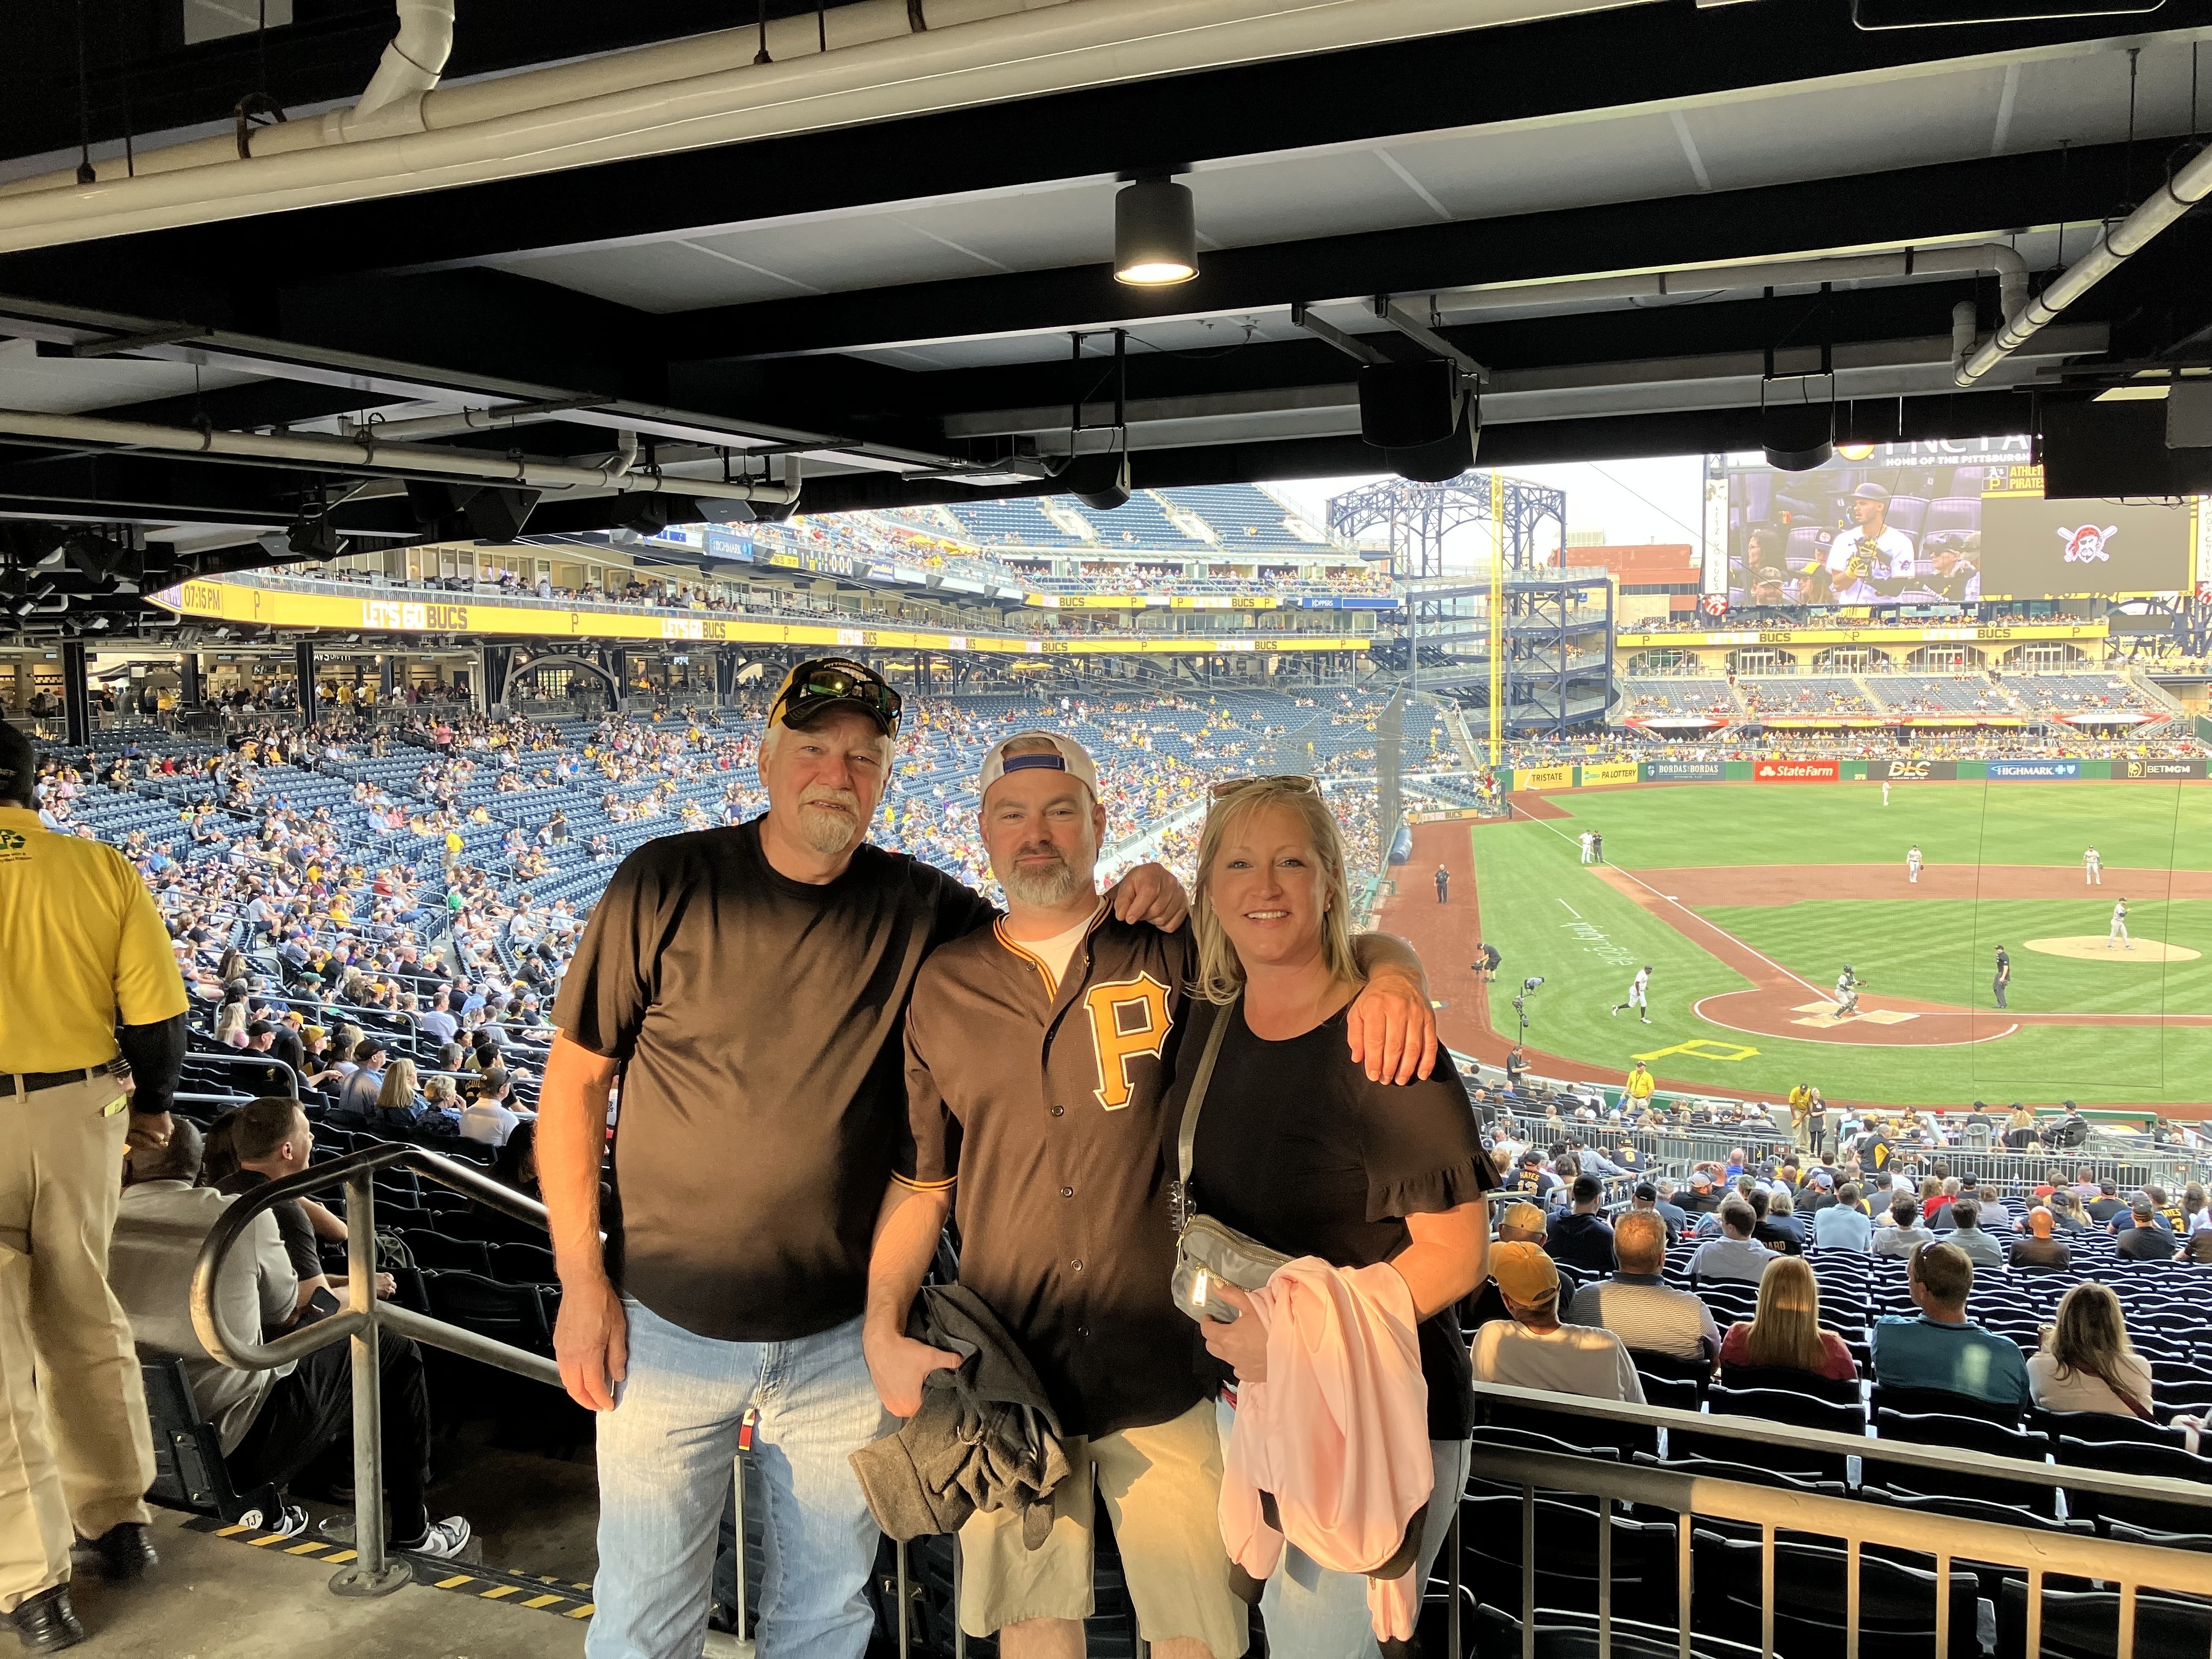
[[1155, 233]]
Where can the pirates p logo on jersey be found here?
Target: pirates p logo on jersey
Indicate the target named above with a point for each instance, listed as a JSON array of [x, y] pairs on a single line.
[[1128, 1019]]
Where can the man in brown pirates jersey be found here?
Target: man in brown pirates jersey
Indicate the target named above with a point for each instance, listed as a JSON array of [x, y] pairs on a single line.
[[1038, 1053]]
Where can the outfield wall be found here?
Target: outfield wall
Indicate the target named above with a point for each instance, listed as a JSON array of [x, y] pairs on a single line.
[[1546, 780]]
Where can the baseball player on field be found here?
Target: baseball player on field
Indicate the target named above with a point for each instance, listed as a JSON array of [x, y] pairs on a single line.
[[1039, 1051], [1913, 862], [2119, 933], [1885, 791], [2092, 868], [1637, 989]]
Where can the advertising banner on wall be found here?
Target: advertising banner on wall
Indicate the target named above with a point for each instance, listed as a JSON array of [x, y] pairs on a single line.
[[1803, 771], [1618, 772], [2158, 768], [1910, 771], [1684, 771], [1544, 777], [2033, 769]]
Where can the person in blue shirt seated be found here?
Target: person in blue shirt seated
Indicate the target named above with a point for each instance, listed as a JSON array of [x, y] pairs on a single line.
[[1941, 1348], [1843, 1224]]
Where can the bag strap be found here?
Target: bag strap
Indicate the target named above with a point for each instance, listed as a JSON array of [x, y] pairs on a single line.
[[1194, 1102]]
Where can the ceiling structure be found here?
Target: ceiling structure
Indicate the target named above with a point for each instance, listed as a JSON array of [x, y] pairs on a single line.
[[914, 305]]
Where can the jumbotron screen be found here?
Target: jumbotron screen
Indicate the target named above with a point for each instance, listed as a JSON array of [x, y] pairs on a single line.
[[1926, 523]]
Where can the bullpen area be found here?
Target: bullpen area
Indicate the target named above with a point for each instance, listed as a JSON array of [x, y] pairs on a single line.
[[1747, 900]]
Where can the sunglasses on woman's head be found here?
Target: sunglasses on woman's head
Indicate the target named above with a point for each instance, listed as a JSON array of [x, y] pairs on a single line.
[[1287, 780]]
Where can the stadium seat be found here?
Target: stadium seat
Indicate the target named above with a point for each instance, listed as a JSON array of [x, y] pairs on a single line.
[[1897, 1603], [189, 1471], [1765, 1378], [1567, 1633], [513, 1314], [1953, 513], [1938, 1402], [1566, 1548], [1805, 1410], [445, 1254], [2102, 1427], [2086, 1624], [523, 1264]]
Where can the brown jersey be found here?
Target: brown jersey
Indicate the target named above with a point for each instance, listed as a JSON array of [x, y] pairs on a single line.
[[1043, 1101]]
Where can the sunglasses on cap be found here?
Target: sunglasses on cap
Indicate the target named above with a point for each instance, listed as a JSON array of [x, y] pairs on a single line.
[[1286, 780], [828, 680]]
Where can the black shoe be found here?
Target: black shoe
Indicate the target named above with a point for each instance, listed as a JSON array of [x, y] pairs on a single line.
[[121, 1552], [46, 1623]]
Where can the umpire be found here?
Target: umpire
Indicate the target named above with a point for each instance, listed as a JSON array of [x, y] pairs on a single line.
[[81, 947]]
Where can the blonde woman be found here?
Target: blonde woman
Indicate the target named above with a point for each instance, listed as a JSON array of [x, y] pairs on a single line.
[[1784, 1331], [2087, 1363], [1299, 1150], [397, 1101], [230, 1025]]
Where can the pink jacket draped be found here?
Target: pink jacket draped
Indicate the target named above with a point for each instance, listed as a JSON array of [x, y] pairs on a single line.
[[1339, 1432]]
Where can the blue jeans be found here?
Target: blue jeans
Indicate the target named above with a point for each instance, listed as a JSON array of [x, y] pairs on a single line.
[[664, 1455], [1312, 1613]]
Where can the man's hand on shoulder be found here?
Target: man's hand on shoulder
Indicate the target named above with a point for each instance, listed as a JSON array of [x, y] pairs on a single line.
[[1392, 1025], [1151, 893], [900, 1367]]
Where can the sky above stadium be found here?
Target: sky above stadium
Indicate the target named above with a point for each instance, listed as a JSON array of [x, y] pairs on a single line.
[[1631, 502]]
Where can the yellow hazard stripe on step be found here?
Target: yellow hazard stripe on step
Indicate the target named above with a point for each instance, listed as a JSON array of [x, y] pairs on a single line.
[[564, 1598], [457, 1581], [498, 1590]]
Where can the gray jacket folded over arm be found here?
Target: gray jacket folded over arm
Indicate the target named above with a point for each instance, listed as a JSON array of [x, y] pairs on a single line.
[[985, 1439]]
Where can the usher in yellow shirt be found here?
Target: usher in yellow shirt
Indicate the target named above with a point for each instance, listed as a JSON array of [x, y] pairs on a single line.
[[81, 946]]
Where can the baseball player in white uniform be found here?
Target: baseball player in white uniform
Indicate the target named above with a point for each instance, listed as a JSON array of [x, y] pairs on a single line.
[[1885, 791], [1637, 989], [1585, 840], [2092, 868], [1913, 862], [2119, 933]]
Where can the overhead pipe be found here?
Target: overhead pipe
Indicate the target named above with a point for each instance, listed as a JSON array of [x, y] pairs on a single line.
[[466, 420], [2115, 247], [406, 74], [357, 455], [707, 91], [1977, 258]]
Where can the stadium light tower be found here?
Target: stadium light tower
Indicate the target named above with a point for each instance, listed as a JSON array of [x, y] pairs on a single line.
[[1420, 518]]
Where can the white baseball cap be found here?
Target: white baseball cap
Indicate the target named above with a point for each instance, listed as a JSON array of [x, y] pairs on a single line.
[[1065, 755]]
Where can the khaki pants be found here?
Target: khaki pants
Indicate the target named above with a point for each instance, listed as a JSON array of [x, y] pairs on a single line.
[[1162, 1487], [76, 1451]]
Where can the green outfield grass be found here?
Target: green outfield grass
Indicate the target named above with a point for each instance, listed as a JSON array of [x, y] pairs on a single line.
[[2134, 825], [1551, 916]]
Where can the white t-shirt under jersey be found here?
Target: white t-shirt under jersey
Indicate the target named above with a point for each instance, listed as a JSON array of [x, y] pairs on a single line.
[[1056, 951]]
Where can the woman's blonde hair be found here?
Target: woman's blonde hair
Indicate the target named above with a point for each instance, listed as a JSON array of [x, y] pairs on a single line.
[[398, 1094], [1785, 1330], [1220, 974], [2091, 1334]]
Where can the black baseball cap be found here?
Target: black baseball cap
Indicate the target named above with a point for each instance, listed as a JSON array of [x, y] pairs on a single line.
[[821, 683]]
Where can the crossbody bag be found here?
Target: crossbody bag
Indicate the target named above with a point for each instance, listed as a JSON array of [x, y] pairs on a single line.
[[1210, 1253]]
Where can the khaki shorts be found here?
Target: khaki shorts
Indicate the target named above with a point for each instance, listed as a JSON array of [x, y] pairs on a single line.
[[1162, 1484]]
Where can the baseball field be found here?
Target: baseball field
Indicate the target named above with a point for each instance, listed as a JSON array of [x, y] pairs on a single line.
[[1747, 900]]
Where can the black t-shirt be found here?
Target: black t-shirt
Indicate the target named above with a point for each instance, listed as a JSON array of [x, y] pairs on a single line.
[[1298, 1149], [757, 1021], [292, 1223], [1580, 1241], [2103, 1209]]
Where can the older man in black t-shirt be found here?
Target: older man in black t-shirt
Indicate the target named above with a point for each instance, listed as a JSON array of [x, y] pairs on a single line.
[[747, 984]]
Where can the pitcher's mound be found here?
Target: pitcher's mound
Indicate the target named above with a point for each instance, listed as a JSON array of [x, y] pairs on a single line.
[[2093, 947]]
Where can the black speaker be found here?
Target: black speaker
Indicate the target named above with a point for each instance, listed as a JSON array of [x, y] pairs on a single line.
[[1099, 481], [460, 512], [1797, 437], [2093, 450], [1440, 462], [1408, 405]]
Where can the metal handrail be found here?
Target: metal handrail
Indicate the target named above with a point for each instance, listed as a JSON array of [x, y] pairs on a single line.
[[361, 1322]]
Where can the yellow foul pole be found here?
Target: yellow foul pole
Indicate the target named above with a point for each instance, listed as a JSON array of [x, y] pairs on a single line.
[[1497, 616]]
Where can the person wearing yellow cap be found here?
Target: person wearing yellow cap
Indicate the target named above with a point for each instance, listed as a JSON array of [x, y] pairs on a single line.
[[1533, 1350]]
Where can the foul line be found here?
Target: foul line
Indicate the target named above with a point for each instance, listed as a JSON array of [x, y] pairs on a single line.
[[1701, 921]]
